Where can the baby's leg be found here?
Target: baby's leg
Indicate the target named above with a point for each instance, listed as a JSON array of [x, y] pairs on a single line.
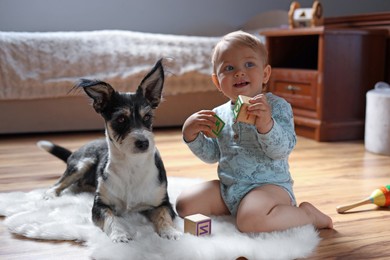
[[204, 198], [268, 208]]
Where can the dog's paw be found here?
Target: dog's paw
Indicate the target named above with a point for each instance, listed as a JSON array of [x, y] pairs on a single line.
[[120, 237], [170, 233], [49, 194]]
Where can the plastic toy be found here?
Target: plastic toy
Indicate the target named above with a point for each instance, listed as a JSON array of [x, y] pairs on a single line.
[[379, 197]]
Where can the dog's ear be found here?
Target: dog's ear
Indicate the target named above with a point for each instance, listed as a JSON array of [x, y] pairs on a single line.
[[99, 91], [151, 86]]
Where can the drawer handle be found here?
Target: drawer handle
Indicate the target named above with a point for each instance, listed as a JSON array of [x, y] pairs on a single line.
[[293, 88]]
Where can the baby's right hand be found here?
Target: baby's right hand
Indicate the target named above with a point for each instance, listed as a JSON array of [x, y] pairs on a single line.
[[201, 121]]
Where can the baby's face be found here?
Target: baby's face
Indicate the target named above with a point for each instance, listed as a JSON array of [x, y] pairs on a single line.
[[240, 71]]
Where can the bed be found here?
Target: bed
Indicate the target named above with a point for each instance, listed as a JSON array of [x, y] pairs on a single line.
[[38, 70]]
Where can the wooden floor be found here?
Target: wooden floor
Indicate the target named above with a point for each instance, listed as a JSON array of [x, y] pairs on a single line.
[[326, 174]]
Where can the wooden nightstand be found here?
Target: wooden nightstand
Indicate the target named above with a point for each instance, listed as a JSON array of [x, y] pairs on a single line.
[[325, 74]]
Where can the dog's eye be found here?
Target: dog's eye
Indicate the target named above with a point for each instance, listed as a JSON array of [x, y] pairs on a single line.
[[121, 119], [147, 117]]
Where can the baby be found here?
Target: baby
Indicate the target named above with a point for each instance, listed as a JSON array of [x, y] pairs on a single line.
[[254, 182]]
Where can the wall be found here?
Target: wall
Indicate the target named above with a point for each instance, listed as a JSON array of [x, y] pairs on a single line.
[[191, 17]]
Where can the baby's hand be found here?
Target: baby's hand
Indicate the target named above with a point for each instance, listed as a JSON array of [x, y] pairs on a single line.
[[201, 121], [262, 110]]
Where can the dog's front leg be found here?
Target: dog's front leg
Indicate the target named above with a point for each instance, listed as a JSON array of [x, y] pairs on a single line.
[[104, 217], [163, 222]]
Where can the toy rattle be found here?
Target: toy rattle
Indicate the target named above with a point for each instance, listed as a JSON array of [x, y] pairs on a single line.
[[379, 197]]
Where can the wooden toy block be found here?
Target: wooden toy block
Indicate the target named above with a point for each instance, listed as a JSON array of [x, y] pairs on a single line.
[[305, 17], [197, 224], [240, 110], [218, 126]]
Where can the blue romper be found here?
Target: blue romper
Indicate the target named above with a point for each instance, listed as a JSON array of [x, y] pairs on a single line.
[[246, 158]]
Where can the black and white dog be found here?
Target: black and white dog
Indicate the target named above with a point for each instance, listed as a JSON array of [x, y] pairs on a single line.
[[125, 170]]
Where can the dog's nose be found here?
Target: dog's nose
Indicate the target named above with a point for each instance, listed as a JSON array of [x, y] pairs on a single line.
[[142, 144]]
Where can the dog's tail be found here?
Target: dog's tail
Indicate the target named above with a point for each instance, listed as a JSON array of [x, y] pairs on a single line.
[[56, 150]]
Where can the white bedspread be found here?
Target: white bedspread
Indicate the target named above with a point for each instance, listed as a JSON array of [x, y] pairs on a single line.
[[46, 65]]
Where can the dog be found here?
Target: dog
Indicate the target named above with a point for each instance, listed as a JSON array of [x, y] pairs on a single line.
[[125, 170]]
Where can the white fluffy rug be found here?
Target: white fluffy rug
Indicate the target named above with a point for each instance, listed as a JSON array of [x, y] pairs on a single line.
[[68, 218]]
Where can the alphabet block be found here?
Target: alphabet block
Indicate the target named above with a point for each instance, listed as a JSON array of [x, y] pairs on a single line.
[[197, 224], [240, 110], [219, 124]]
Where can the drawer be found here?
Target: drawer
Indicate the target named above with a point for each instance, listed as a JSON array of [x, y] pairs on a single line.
[[298, 87]]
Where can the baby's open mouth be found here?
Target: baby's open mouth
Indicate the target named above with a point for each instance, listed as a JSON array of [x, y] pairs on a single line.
[[241, 84]]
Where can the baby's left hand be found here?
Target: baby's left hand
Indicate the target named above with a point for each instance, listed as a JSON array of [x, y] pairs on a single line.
[[262, 110]]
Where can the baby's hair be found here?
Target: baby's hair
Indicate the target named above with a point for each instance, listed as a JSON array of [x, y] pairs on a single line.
[[239, 38]]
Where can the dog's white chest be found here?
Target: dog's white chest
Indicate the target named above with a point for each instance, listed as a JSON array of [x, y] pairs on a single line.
[[134, 185]]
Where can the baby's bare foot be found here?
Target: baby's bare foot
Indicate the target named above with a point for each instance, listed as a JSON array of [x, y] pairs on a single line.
[[320, 220]]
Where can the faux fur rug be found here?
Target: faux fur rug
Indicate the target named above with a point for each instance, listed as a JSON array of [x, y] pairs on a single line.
[[69, 218]]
